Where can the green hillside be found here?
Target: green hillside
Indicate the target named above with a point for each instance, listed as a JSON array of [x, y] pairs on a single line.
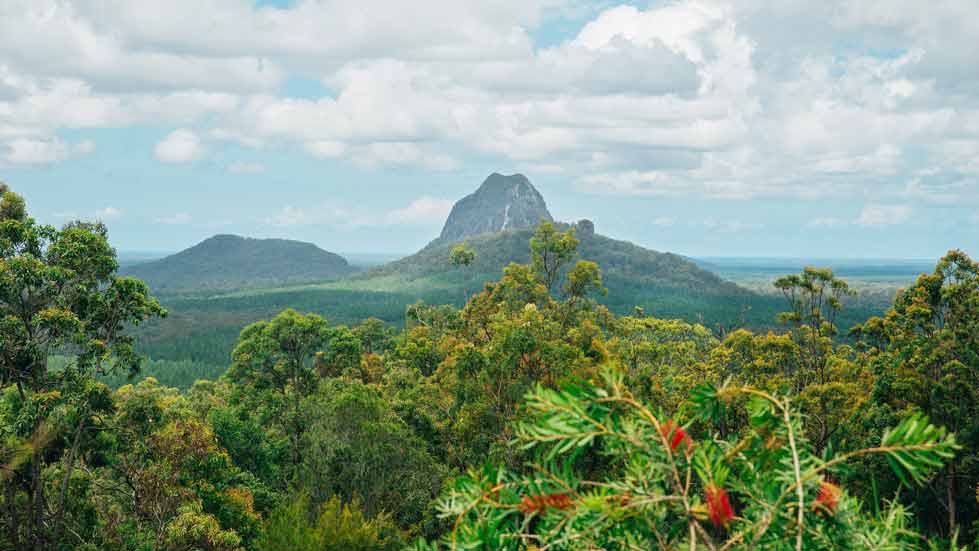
[[664, 284], [230, 262]]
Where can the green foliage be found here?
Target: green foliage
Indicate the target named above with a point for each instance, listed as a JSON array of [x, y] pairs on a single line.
[[342, 354], [461, 256], [825, 381], [192, 529], [925, 354], [335, 527], [59, 292], [358, 447], [12, 206], [277, 357], [180, 374], [584, 278], [206, 330], [763, 490], [550, 251]]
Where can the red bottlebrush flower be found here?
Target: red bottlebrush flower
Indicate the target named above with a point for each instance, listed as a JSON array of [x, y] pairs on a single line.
[[718, 506], [538, 504], [678, 435], [829, 497]]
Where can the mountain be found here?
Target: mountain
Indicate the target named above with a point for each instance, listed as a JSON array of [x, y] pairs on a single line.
[[501, 203], [498, 220], [231, 262], [663, 284]]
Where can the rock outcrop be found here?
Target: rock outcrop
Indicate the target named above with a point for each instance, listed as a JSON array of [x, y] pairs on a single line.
[[500, 203]]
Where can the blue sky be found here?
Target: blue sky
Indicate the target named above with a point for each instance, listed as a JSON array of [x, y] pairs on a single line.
[[831, 129]]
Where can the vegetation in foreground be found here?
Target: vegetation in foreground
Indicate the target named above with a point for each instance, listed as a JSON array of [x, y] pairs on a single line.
[[531, 418]]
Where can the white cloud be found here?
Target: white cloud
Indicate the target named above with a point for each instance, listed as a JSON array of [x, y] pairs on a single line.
[[665, 221], [424, 210], [825, 222], [79, 40], [404, 153], [180, 218], [686, 98], [876, 216], [246, 168], [108, 213], [43, 150], [326, 149], [179, 146], [36, 151], [662, 184]]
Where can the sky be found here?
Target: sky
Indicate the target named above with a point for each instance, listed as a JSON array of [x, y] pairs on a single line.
[[838, 128]]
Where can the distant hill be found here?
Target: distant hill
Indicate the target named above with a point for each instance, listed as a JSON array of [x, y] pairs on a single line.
[[231, 262], [498, 220], [500, 203], [664, 284]]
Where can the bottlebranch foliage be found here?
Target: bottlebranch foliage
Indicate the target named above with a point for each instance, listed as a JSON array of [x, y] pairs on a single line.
[[764, 489]]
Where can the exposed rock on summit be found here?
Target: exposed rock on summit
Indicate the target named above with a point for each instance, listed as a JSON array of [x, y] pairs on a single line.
[[500, 203]]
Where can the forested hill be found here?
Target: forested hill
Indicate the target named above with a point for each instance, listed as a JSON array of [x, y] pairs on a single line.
[[662, 283], [231, 262], [499, 218], [497, 222]]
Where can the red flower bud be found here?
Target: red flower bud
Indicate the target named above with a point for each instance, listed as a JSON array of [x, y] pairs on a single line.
[[718, 506], [537, 504], [678, 435], [829, 497]]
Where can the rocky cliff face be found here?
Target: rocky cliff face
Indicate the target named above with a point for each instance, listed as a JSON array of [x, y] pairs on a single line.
[[500, 203]]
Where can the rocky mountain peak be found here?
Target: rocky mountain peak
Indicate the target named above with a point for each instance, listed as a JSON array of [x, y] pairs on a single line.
[[500, 203]]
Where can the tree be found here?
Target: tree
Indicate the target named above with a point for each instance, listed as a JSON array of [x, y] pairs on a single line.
[[583, 279], [462, 256], [550, 251], [12, 206], [815, 298], [167, 482], [358, 447], [278, 356], [925, 354], [58, 292], [662, 359], [334, 526], [375, 337], [342, 354], [666, 489]]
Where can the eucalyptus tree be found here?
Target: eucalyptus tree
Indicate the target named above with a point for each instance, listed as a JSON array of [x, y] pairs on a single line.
[[59, 294], [550, 251], [925, 355], [276, 359]]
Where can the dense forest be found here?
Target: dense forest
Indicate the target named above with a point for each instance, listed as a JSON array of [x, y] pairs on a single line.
[[529, 416]]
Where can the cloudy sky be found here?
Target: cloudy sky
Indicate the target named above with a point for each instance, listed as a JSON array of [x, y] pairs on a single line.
[[837, 128]]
